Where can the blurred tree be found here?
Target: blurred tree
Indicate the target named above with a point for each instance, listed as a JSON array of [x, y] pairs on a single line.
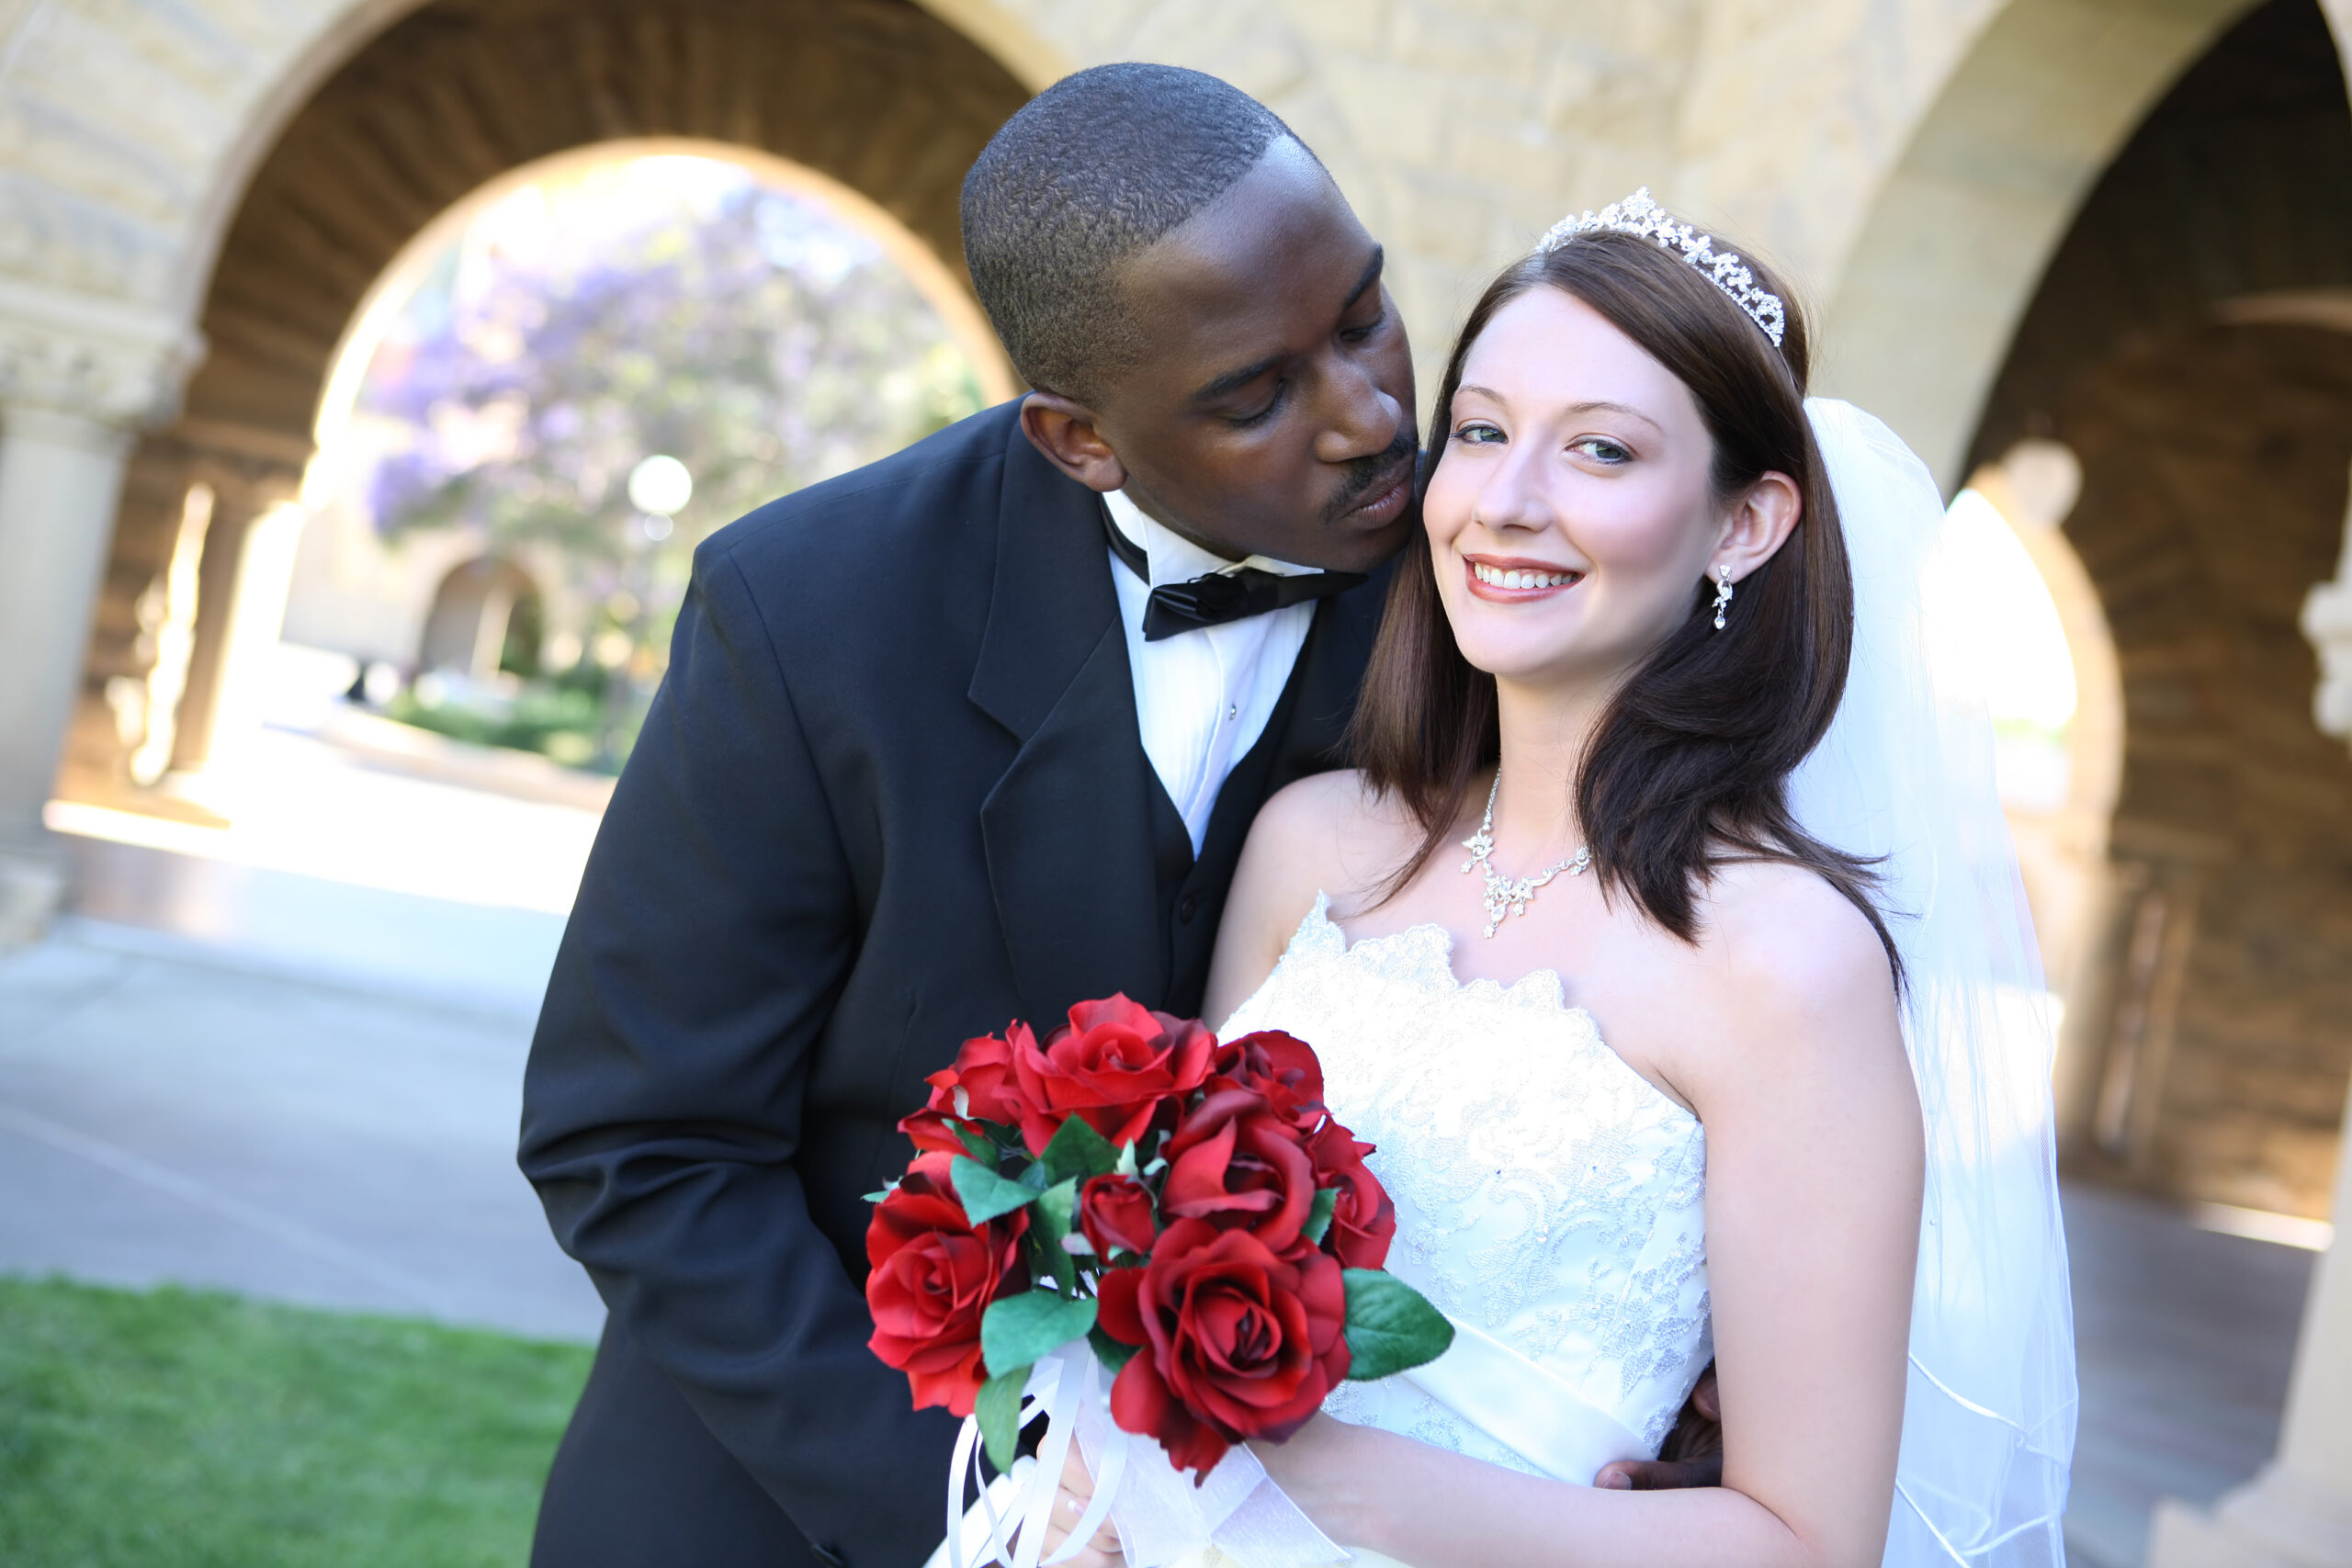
[[669, 304], [742, 330]]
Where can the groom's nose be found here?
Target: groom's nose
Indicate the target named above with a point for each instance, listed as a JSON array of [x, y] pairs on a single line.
[[1360, 418]]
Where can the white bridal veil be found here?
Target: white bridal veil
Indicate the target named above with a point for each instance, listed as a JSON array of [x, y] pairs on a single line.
[[1905, 776]]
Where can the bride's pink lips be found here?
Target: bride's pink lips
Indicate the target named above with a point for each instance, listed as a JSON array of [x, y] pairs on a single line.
[[1495, 594]]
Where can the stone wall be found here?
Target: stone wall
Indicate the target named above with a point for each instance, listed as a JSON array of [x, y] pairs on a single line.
[[2214, 492], [2213, 1038]]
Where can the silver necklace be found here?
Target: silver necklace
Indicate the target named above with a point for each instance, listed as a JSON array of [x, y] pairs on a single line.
[[1504, 895]]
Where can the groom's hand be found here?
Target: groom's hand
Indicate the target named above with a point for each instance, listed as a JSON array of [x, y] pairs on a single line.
[[1692, 1455]]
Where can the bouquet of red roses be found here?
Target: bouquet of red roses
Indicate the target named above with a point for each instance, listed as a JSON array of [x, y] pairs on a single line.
[[1186, 1207]]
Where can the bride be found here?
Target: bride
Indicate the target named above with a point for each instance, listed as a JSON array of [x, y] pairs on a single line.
[[1665, 943]]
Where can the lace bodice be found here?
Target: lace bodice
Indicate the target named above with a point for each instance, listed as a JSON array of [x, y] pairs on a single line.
[[1546, 1192]]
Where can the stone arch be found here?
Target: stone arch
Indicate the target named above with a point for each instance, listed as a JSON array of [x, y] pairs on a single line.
[[2062, 843], [2186, 341], [1956, 239], [878, 106], [476, 610], [886, 99]]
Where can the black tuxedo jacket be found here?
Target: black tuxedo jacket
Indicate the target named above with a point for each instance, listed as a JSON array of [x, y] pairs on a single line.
[[892, 795]]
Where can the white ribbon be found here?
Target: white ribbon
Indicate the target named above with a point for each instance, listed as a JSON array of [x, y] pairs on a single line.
[[1163, 1517], [1525, 1406], [1160, 1515]]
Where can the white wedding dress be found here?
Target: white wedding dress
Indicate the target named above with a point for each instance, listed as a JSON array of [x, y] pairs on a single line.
[[1549, 1199]]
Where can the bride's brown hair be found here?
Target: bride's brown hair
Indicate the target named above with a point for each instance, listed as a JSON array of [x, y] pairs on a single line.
[[1688, 766]]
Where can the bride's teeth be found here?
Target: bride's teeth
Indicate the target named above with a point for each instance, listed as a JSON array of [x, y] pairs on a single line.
[[1520, 579]]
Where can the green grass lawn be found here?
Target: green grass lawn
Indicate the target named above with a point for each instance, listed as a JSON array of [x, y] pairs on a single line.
[[182, 1429]]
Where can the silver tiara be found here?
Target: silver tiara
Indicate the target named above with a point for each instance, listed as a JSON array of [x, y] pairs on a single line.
[[1639, 216]]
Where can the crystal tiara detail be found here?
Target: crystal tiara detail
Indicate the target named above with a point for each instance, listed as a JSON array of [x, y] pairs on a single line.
[[1645, 220]]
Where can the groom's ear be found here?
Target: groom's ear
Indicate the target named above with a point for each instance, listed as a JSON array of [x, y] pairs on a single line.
[[1065, 431]]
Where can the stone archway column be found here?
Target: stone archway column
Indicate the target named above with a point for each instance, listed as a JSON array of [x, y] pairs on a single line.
[[244, 576], [78, 378], [2298, 1512]]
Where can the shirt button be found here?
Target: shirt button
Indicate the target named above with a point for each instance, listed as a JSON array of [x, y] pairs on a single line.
[[1232, 711], [1187, 906]]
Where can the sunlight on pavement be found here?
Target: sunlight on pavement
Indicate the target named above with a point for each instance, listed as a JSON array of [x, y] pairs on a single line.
[[306, 805]]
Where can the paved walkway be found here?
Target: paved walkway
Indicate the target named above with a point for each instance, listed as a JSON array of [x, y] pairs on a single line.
[[286, 1057], [238, 1075], [2185, 1340], [168, 1116]]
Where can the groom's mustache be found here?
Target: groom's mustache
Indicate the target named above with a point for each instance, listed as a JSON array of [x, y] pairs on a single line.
[[1368, 477]]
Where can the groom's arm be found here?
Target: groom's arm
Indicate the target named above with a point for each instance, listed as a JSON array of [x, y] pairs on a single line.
[[663, 1107]]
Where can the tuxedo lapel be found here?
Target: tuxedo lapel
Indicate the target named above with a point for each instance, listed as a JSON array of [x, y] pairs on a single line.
[[1068, 828]]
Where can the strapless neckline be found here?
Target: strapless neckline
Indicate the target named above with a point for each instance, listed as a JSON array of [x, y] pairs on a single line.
[[1546, 1194], [1422, 957]]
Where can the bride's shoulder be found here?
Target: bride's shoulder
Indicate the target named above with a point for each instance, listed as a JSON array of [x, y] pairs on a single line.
[[1781, 940], [1328, 833]]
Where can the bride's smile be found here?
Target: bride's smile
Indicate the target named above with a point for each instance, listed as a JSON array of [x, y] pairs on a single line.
[[1511, 580]]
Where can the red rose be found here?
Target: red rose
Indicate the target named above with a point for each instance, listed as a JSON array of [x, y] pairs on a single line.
[[934, 1274], [933, 1131], [1117, 1212], [1236, 1341], [1236, 1162], [978, 1088], [1363, 1219], [1114, 1066], [1279, 1066]]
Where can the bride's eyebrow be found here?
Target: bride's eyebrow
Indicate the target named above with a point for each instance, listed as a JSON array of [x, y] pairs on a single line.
[[1573, 410], [1579, 410]]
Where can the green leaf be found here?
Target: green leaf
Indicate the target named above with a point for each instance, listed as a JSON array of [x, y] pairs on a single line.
[[1052, 1208], [1114, 1354], [1318, 1218], [1078, 1150], [999, 1408], [1018, 1329], [985, 1193], [1055, 1206], [1391, 1326], [981, 1150]]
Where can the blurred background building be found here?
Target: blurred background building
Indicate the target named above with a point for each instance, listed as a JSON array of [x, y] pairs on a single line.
[[369, 369]]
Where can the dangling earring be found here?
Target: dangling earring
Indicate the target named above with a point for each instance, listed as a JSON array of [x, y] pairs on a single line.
[[1722, 593]]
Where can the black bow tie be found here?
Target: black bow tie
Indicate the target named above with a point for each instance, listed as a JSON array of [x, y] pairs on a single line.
[[1221, 596]]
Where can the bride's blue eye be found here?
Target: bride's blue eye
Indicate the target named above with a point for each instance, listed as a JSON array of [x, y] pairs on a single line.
[[1601, 450], [1478, 435]]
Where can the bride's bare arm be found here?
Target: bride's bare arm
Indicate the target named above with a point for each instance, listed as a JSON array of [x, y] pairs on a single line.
[[1794, 1062]]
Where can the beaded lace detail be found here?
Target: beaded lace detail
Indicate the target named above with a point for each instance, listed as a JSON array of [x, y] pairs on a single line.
[[1545, 1191]]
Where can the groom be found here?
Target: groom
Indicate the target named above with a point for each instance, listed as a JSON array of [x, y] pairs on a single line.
[[945, 741], [968, 735]]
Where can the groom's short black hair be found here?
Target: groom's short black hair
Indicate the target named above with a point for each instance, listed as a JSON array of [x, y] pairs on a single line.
[[1090, 172]]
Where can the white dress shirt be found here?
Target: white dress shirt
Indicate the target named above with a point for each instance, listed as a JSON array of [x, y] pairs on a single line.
[[1202, 697]]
